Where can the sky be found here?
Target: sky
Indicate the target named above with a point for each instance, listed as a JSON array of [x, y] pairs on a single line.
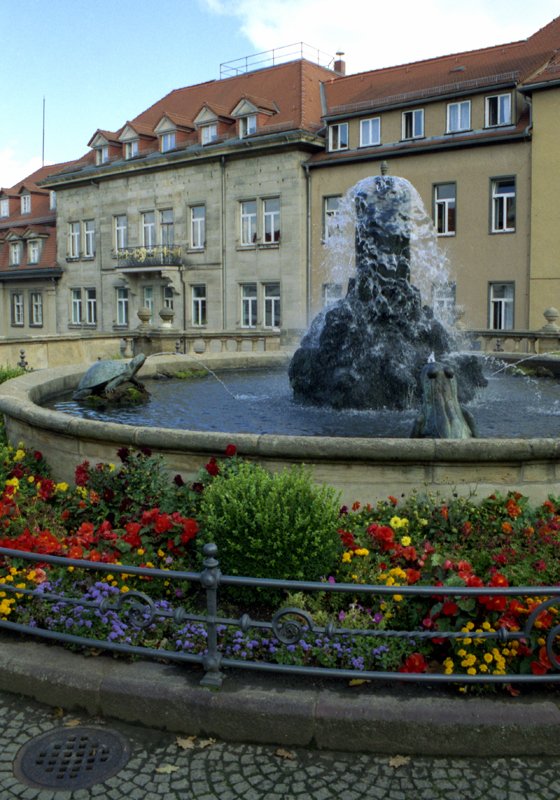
[[96, 64]]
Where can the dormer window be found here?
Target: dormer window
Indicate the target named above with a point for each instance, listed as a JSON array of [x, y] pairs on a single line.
[[209, 133], [33, 251], [15, 254], [26, 204], [498, 110], [168, 142], [102, 154], [4, 207], [131, 149], [248, 125]]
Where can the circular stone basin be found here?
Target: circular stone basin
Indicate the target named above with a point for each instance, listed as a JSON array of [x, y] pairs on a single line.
[[361, 468]]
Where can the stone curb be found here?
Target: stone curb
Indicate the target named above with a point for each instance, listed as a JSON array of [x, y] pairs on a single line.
[[290, 712]]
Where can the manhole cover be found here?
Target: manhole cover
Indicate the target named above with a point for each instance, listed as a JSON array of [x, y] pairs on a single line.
[[71, 758]]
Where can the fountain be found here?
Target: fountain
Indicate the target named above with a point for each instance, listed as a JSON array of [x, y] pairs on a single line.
[[369, 348], [366, 352]]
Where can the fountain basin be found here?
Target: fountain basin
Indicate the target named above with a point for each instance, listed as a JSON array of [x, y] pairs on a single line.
[[362, 469]]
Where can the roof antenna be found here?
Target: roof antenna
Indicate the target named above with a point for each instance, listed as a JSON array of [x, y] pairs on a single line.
[[43, 145]]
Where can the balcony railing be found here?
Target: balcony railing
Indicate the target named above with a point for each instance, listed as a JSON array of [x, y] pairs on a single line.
[[166, 255]]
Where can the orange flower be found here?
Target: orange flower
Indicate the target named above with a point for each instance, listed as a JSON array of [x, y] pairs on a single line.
[[507, 527]]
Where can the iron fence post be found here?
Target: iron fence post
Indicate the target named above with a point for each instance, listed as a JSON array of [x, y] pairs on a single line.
[[210, 579]]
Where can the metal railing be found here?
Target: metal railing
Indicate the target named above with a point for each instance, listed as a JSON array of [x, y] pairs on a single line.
[[167, 255], [289, 626]]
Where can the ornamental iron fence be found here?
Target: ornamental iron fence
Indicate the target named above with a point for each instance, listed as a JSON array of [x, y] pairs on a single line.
[[167, 255], [287, 627]]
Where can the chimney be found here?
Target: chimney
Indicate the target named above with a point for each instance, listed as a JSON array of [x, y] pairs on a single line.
[[339, 64]]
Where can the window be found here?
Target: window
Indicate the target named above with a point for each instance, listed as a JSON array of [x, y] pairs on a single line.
[[74, 240], [330, 216], [370, 132], [33, 251], [148, 229], [338, 136], [91, 306], [4, 207], [131, 149], [148, 299], [15, 254], [271, 220], [17, 308], [248, 125], [413, 124], [121, 231], [503, 205], [459, 116], [444, 209], [272, 305], [198, 227], [102, 154], [167, 142], [122, 305], [199, 305], [332, 292], [76, 302], [36, 309], [249, 305], [498, 110], [166, 226], [26, 204], [208, 133], [248, 222], [52, 201], [168, 297], [501, 306], [89, 238], [443, 302]]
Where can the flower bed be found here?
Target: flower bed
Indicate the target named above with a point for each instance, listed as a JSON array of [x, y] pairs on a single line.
[[133, 514]]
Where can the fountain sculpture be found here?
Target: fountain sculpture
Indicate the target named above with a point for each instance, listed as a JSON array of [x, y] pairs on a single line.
[[369, 348]]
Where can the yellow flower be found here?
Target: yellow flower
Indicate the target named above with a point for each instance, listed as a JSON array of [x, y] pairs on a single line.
[[111, 467], [488, 657], [19, 455], [13, 482], [398, 522], [125, 589], [405, 541], [361, 551], [62, 486], [397, 598], [161, 554], [31, 479], [140, 551], [346, 557], [471, 671]]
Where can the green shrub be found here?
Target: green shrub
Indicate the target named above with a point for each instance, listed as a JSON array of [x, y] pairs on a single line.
[[271, 525], [6, 373]]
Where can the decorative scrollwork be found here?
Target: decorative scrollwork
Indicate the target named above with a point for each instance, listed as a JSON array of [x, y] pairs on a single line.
[[288, 624], [138, 608], [550, 641]]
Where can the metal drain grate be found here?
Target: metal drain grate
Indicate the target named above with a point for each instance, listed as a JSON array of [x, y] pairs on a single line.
[[71, 758]]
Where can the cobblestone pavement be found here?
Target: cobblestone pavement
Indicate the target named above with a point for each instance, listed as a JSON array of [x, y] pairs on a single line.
[[171, 767]]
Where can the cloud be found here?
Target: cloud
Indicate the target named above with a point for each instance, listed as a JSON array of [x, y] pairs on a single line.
[[14, 168], [376, 35]]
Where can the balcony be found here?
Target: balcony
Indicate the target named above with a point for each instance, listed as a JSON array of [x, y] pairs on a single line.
[[161, 255]]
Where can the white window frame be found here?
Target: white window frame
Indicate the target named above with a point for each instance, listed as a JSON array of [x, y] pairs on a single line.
[[370, 132], [502, 110], [121, 231], [148, 229], [148, 299], [331, 209], [168, 141], [198, 305], [25, 204], [74, 236], [338, 136], [36, 309], [52, 200], [249, 305], [168, 297], [272, 306], [247, 125], [5, 207], [89, 238], [501, 308], [102, 154], [167, 226], [445, 210], [33, 251], [459, 116], [76, 305], [248, 223], [271, 220], [131, 149], [209, 133], [197, 227], [413, 124], [91, 306], [17, 309], [503, 205], [122, 305], [332, 293], [15, 254]]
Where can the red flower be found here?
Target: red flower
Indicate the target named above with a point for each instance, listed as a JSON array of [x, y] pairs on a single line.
[[190, 529], [414, 663], [393, 500], [212, 467], [542, 665], [82, 474], [132, 536], [449, 608], [512, 508], [444, 511], [383, 535], [347, 539], [231, 450], [163, 523]]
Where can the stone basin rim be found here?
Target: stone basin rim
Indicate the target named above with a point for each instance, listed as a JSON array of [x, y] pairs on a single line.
[[20, 399]]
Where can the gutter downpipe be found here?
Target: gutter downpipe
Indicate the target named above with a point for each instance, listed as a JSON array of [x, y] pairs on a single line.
[[223, 237], [528, 134], [308, 245]]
